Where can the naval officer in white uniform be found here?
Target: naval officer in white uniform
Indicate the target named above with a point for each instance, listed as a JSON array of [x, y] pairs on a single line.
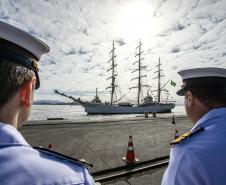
[[199, 156], [20, 164]]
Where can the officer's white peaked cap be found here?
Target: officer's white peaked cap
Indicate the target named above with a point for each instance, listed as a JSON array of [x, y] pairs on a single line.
[[209, 77], [23, 39], [202, 72]]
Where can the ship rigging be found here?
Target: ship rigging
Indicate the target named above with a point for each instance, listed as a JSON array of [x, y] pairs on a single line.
[[116, 107]]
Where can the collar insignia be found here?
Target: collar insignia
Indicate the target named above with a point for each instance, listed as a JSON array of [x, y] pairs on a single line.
[[186, 135]]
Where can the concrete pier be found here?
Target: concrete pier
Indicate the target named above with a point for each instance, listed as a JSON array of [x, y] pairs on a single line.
[[104, 143]]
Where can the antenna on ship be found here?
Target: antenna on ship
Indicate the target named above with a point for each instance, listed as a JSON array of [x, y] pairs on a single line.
[[159, 75], [139, 69], [113, 73]]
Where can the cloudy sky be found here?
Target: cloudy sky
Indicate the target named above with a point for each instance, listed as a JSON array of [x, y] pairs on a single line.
[[184, 34]]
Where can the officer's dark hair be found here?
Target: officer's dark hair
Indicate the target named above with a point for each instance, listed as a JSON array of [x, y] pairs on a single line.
[[12, 77], [210, 96]]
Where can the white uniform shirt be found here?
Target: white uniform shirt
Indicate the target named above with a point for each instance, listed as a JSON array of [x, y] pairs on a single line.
[[201, 158], [20, 164]]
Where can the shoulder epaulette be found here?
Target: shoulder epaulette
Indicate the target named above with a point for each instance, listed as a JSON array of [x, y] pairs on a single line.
[[61, 156], [186, 135]]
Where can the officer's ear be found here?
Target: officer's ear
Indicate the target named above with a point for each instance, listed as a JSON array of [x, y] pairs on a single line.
[[190, 98], [26, 92]]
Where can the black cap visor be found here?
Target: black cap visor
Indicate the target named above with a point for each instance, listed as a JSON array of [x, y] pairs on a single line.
[[181, 92], [37, 85], [202, 83]]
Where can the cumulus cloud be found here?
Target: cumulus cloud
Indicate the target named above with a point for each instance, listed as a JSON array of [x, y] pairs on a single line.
[[183, 33]]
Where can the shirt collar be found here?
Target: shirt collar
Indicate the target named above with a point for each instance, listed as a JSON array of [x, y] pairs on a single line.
[[10, 136], [212, 114]]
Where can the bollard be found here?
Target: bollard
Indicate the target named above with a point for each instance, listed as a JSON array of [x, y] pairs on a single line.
[[154, 114], [176, 134], [173, 120], [146, 114]]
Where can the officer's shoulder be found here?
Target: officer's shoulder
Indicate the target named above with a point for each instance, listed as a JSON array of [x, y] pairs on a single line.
[[62, 157], [43, 166], [187, 135]]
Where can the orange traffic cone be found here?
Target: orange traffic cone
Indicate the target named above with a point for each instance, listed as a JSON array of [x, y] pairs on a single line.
[[173, 120], [50, 147], [176, 134], [130, 155]]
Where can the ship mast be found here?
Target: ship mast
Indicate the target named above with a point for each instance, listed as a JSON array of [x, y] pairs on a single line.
[[159, 75], [96, 92], [139, 69], [113, 73]]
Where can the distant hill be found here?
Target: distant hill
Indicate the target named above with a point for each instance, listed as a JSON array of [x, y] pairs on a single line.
[[53, 102]]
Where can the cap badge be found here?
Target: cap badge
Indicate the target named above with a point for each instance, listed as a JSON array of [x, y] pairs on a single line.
[[183, 85], [35, 65]]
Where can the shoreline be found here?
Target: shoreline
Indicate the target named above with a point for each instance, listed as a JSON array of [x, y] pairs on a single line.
[[56, 121]]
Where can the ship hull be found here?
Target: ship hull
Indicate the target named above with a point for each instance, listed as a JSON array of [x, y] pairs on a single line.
[[114, 109]]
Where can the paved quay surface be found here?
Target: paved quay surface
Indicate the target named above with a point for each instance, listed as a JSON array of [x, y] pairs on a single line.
[[104, 143]]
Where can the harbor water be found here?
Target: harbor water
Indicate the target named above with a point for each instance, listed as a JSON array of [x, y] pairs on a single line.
[[76, 112]]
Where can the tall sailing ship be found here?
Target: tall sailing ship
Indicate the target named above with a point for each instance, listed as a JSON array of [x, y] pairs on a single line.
[[147, 105]]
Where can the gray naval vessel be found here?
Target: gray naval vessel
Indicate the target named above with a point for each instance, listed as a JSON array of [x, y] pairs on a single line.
[[147, 105]]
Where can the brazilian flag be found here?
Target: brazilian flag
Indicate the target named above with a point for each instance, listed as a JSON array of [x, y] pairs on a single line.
[[173, 83]]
